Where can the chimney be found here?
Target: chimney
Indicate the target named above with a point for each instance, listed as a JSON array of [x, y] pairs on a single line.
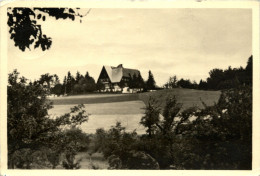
[[120, 66]]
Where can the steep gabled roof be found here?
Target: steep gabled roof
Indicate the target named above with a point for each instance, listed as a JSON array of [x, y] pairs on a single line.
[[115, 74], [127, 71]]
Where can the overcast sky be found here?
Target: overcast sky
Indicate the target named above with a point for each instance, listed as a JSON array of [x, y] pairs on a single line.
[[183, 42]]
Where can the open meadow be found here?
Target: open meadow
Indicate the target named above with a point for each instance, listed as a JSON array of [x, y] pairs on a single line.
[[106, 109]]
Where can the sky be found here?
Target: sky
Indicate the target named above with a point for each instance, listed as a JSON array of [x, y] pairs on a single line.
[[187, 43]]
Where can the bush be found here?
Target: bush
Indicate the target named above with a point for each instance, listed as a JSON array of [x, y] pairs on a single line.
[[218, 137], [29, 127]]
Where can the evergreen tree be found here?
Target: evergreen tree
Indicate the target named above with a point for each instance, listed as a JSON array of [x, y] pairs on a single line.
[[140, 81], [249, 71], [64, 85], [78, 76], [150, 83], [70, 83]]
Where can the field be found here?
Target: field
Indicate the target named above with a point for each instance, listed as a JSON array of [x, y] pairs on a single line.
[[104, 115], [188, 97], [94, 99], [106, 109]]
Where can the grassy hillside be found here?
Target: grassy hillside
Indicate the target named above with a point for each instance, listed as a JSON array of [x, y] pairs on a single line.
[[188, 97], [94, 99]]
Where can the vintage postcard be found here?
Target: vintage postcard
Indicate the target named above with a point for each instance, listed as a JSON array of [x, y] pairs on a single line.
[[132, 87]]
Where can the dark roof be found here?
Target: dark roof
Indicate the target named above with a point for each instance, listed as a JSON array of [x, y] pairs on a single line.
[[115, 74]]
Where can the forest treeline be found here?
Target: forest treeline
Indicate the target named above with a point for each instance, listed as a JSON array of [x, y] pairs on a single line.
[[83, 84], [218, 79]]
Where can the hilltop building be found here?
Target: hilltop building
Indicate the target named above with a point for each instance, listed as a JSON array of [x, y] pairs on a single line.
[[116, 79]]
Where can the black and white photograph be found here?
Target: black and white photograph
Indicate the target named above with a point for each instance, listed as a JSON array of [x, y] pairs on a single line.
[[92, 88]]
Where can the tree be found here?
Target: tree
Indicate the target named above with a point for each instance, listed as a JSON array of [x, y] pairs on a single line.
[[172, 82], [69, 83], [119, 147], [29, 126], [90, 85], [78, 76], [185, 83], [159, 144], [151, 118], [150, 83], [140, 81], [202, 85], [221, 135], [57, 89], [46, 78], [64, 85], [249, 71], [74, 140], [24, 29]]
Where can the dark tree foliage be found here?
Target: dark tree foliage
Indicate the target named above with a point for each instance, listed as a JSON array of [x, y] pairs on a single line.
[[221, 136], [30, 128], [73, 141], [185, 83], [160, 143], [57, 89], [79, 85], [48, 81], [172, 82], [135, 81], [218, 79], [24, 29], [203, 85], [249, 71], [140, 82], [119, 147], [78, 76], [151, 118], [150, 83], [85, 84], [69, 83], [230, 78]]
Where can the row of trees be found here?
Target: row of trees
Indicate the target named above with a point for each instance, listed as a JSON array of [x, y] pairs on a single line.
[[219, 137], [173, 82], [71, 85], [138, 82], [218, 79], [80, 84]]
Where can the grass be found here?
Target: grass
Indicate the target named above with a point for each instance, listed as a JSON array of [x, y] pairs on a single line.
[[104, 115], [120, 108], [94, 99], [188, 97], [106, 110]]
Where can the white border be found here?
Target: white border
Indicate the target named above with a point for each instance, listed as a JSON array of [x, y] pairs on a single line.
[[130, 4]]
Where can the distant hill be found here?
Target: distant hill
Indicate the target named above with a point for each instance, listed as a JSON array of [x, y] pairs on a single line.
[[189, 97]]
